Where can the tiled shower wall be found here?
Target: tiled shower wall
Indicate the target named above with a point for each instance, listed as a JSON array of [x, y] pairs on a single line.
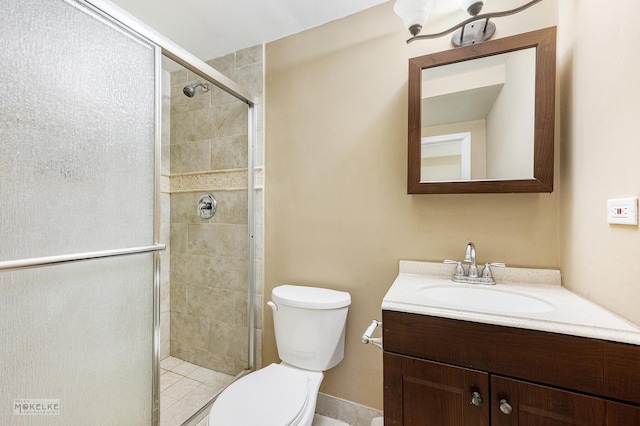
[[208, 266]]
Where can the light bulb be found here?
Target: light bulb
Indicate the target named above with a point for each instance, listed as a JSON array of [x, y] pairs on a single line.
[[472, 7], [414, 13]]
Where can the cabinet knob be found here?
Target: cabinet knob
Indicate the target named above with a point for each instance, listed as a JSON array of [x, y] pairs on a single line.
[[505, 407], [476, 399]]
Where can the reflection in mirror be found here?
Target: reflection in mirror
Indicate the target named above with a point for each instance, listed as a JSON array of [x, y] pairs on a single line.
[[481, 118], [446, 157], [478, 118]]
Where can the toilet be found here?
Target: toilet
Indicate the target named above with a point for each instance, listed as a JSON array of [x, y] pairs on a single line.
[[309, 324]]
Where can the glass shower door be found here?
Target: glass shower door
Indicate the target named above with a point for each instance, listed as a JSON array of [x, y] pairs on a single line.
[[77, 199]]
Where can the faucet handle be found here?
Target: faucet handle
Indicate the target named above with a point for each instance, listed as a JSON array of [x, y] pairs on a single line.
[[486, 272], [459, 269]]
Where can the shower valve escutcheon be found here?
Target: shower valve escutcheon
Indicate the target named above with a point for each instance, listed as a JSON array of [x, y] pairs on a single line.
[[207, 206]]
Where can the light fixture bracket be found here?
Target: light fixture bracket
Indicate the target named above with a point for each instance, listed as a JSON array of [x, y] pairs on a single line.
[[466, 31], [473, 32]]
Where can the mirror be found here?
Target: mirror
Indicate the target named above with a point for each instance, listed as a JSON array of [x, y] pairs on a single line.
[[482, 117]]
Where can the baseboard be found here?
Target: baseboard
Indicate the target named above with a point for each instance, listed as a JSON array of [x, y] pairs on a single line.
[[346, 411]]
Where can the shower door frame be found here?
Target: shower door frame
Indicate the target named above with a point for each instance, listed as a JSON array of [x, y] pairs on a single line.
[[171, 50]]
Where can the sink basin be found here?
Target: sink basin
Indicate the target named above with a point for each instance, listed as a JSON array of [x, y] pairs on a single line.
[[485, 299]]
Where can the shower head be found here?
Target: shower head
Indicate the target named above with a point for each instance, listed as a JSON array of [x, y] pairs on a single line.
[[190, 89]]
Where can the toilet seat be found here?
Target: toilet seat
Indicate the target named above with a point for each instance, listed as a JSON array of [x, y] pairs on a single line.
[[273, 396]]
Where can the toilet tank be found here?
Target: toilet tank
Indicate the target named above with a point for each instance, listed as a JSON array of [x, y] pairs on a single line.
[[309, 323]]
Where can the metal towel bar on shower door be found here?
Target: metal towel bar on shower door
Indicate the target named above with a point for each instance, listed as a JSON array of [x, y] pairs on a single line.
[[12, 265]]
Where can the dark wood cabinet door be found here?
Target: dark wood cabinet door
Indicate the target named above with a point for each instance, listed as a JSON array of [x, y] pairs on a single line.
[[527, 404], [425, 393], [622, 414]]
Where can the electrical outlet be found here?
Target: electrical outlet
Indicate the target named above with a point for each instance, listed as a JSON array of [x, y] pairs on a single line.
[[623, 211]]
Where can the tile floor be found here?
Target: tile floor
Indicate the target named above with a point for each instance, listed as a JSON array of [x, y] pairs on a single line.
[[186, 387]]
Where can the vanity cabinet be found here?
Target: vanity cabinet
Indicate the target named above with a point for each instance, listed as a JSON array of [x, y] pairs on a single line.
[[447, 372]]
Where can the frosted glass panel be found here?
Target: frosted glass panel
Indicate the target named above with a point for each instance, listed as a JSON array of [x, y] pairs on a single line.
[[76, 132], [74, 334], [76, 174]]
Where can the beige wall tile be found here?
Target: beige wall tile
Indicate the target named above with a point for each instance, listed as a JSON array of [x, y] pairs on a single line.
[[215, 362], [165, 297], [223, 64], [208, 267], [228, 120], [183, 208], [191, 156], [165, 334], [179, 236], [190, 330], [217, 304], [228, 340], [178, 297], [232, 207], [207, 271], [229, 153], [220, 97], [190, 126], [179, 77], [180, 350], [250, 77], [214, 239], [248, 56]]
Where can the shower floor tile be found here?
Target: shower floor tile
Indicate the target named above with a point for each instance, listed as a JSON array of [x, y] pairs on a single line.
[[185, 388]]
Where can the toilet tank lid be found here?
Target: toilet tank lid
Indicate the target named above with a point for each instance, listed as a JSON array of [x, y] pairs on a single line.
[[310, 297]]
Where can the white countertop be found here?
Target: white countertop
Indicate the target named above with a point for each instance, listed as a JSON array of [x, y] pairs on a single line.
[[569, 314]]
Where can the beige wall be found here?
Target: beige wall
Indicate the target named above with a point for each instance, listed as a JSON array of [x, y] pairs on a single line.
[[478, 129], [517, 102], [337, 210], [600, 150]]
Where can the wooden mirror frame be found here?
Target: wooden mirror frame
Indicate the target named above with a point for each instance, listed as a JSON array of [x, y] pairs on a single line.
[[544, 121]]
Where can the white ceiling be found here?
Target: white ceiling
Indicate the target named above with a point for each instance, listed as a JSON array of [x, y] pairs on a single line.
[[212, 28]]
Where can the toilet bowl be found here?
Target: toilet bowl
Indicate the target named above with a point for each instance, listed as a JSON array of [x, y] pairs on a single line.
[[309, 324], [277, 395]]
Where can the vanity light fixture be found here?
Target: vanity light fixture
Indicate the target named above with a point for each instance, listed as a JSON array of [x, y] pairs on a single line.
[[478, 28]]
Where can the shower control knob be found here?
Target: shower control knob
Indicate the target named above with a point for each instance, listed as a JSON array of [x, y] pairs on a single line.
[[207, 206]]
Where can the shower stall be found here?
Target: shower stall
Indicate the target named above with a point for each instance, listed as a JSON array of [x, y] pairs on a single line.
[[205, 146], [101, 243]]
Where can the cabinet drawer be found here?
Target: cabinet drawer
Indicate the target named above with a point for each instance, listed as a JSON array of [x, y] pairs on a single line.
[[588, 365]]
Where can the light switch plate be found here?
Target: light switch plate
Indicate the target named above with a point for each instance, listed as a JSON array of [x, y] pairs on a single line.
[[623, 211]]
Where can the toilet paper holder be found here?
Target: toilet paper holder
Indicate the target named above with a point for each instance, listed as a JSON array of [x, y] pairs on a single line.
[[366, 337]]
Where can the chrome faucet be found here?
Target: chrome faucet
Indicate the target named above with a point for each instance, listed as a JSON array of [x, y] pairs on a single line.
[[471, 276], [470, 257]]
